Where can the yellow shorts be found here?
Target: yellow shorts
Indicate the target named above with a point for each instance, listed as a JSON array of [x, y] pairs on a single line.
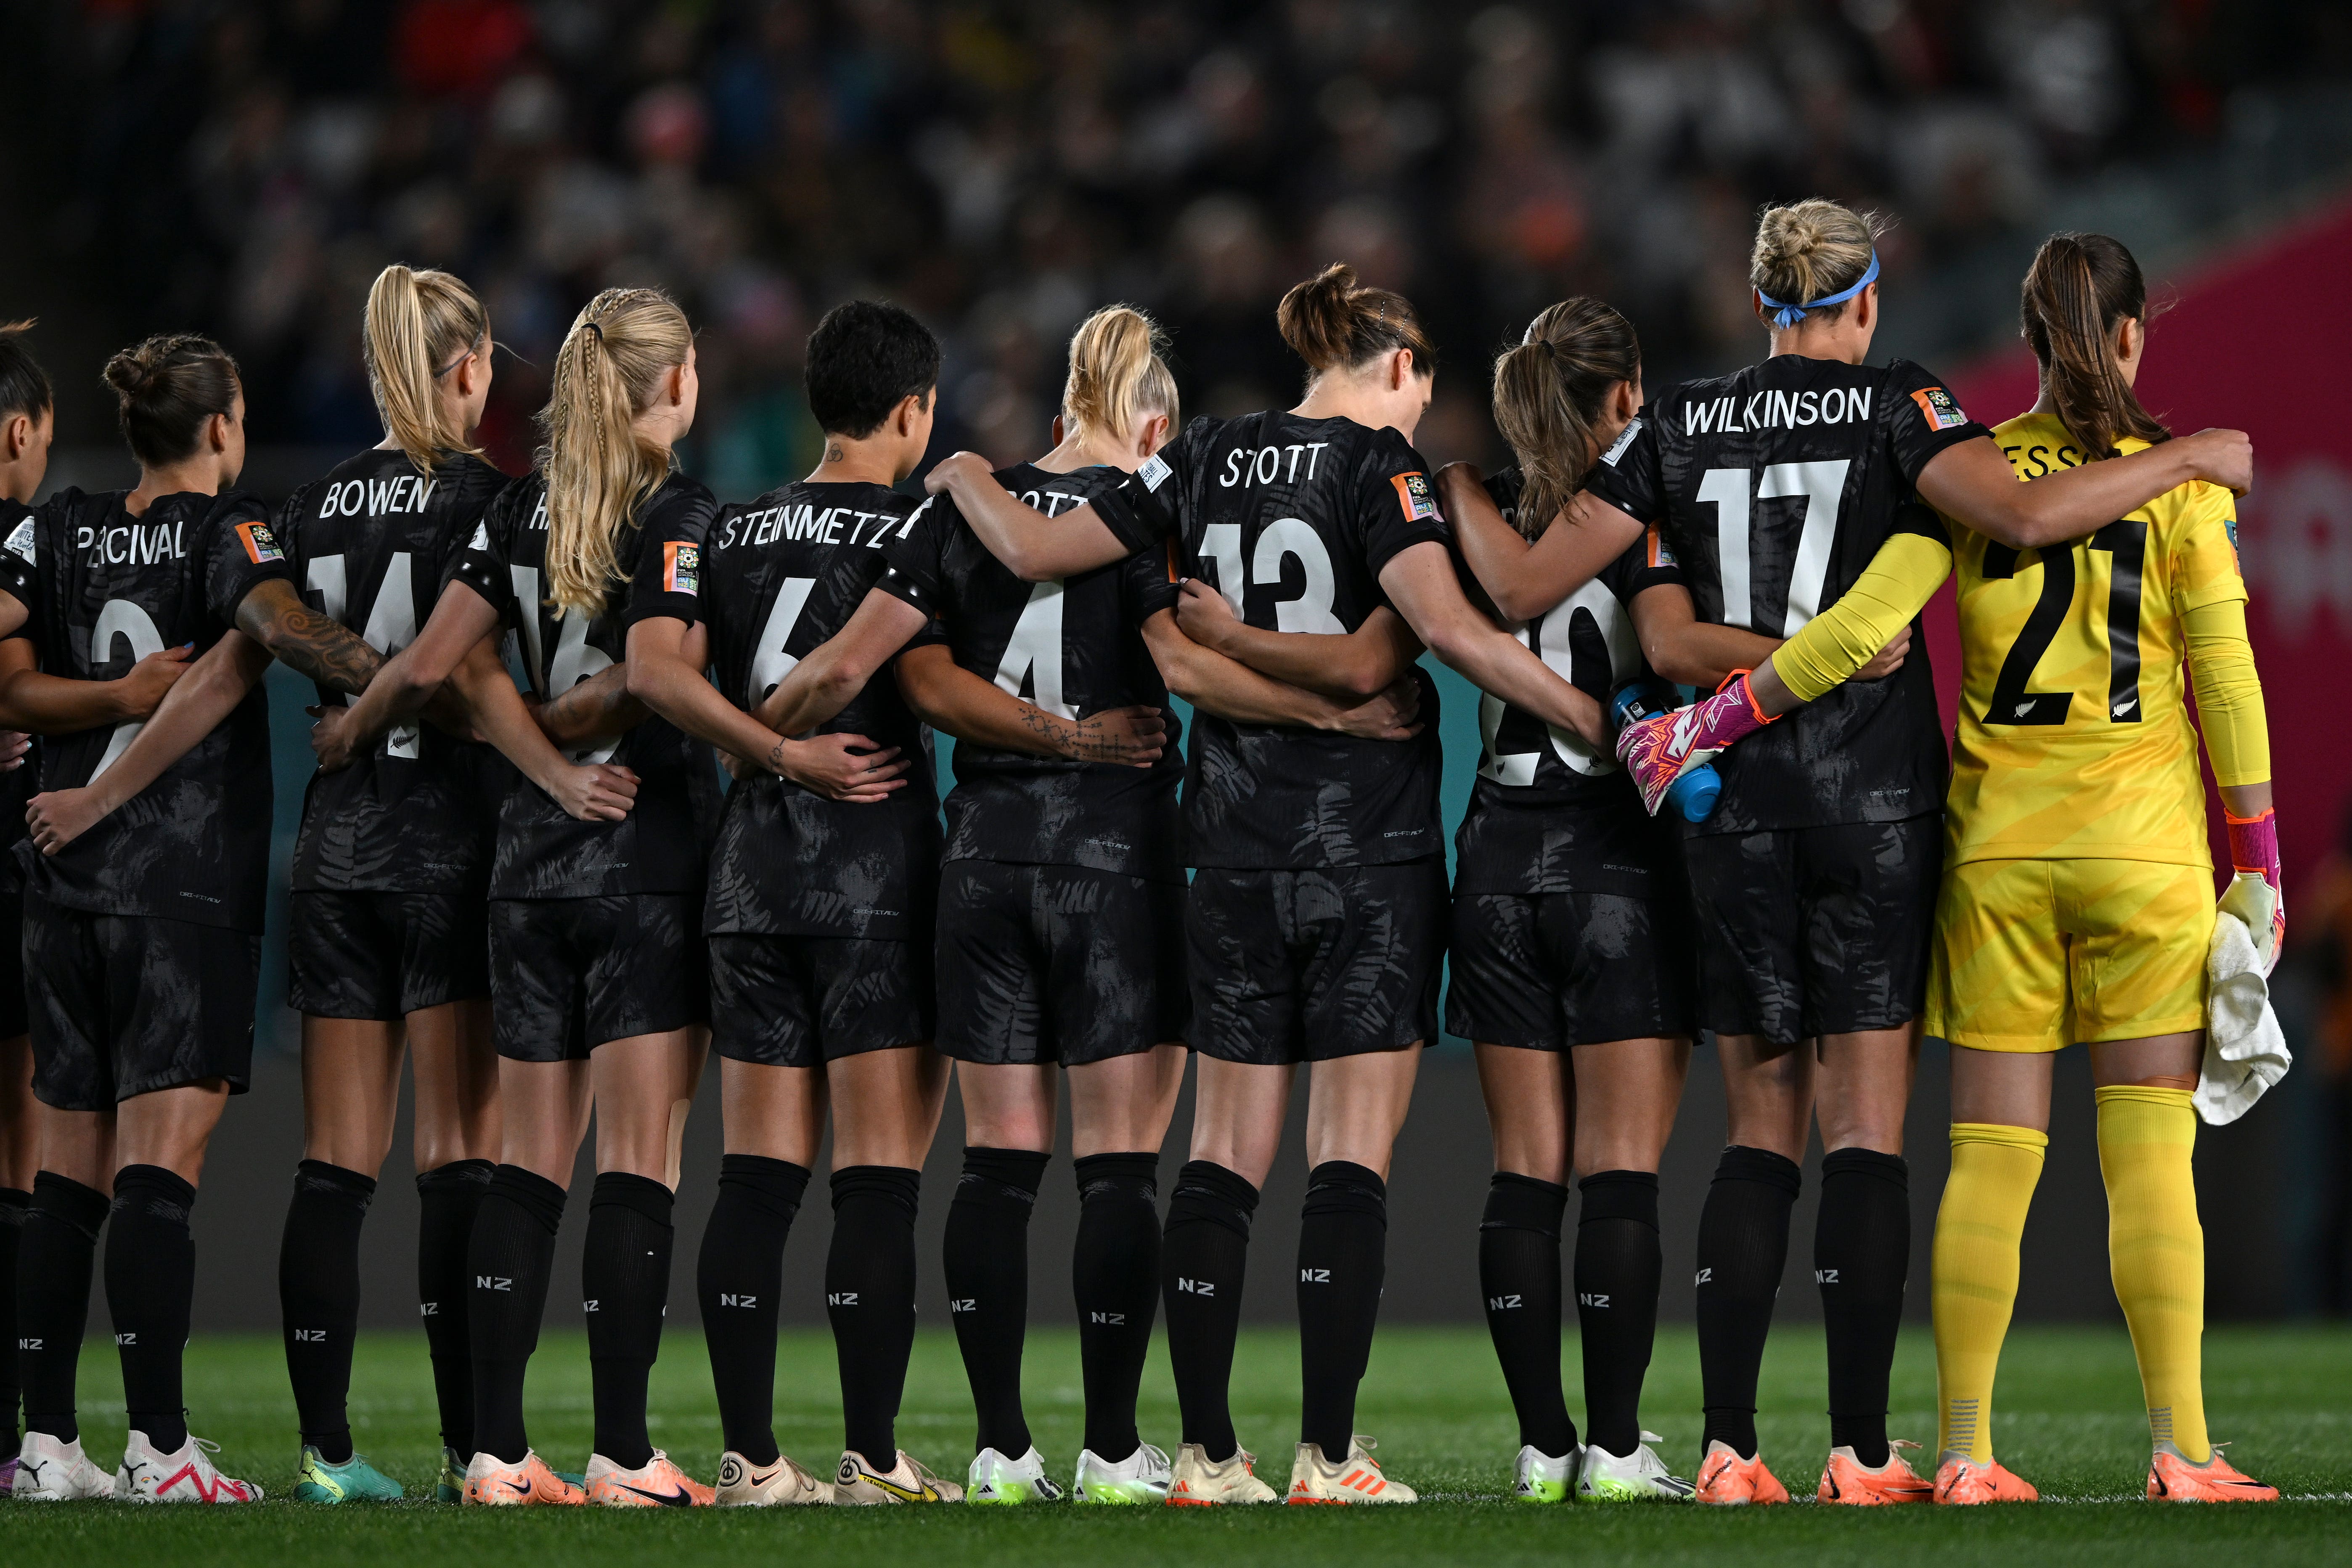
[[2033, 955]]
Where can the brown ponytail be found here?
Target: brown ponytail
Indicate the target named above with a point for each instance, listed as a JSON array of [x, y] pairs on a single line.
[[1550, 390], [166, 389], [419, 326], [609, 370], [1334, 323], [2080, 286], [1116, 375]]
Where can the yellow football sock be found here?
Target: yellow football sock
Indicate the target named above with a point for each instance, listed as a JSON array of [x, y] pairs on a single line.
[[2156, 1248], [1978, 1229]]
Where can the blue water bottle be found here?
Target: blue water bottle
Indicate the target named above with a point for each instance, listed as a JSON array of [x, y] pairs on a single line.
[[1694, 795]]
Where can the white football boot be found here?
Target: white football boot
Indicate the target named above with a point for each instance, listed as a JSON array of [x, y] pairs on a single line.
[[1354, 1480], [1198, 1481], [907, 1480], [185, 1475], [1537, 1477], [742, 1484], [1639, 1477], [51, 1471], [993, 1479], [1142, 1477]]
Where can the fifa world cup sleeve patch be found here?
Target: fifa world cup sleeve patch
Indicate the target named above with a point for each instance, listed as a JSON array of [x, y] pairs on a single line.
[[20, 541], [1940, 408], [681, 567], [1625, 439], [261, 545], [1154, 473], [1660, 553], [1413, 491]]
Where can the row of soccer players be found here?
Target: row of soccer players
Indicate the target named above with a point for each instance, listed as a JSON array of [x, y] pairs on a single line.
[[1035, 615]]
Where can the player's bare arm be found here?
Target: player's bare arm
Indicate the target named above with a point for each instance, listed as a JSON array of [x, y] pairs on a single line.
[[949, 696], [1420, 581], [45, 704], [1032, 546], [592, 791], [1348, 667], [1523, 577], [1231, 689], [306, 640], [1974, 484], [837, 669]]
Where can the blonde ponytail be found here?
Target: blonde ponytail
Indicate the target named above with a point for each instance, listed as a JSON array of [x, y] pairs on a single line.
[[1117, 376], [419, 326], [611, 367]]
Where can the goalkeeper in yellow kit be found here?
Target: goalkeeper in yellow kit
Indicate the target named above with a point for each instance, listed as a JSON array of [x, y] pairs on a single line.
[[2077, 900]]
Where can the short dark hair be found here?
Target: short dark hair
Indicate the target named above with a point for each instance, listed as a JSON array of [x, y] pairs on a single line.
[[863, 358], [166, 388], [24, 384]]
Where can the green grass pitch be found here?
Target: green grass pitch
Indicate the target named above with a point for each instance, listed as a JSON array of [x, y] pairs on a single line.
[[2067, 1418]]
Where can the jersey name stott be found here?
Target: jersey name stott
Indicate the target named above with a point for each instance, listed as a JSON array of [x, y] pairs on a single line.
[[1265, 465], [378, 497], [803, 523], [1730, 416], [131, 544]]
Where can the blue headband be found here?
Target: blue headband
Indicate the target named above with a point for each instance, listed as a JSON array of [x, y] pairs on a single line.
[[1789, 315]]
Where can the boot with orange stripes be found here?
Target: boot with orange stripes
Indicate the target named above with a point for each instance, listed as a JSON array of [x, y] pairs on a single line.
[[1356, 1479]]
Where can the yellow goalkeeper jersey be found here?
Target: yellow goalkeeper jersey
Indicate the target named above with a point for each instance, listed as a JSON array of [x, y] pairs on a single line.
[[2074, 738]]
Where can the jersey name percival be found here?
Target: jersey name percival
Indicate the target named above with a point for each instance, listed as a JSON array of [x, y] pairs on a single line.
[[103, 590], [661, 846], [1292, 521], [1073, 647], [780, 577], [2074, 739], [1773, 488], [1548, 814], [370, 544]]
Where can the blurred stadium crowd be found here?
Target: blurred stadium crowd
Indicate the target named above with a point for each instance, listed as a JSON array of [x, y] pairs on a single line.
[[245, 168]]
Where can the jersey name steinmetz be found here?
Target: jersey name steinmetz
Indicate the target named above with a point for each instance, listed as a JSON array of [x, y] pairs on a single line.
[[1774, 487], [1071, 645], [1292, 520], [660, 846], [784, 574], [103, 590], [1549, 814], [370, 545]]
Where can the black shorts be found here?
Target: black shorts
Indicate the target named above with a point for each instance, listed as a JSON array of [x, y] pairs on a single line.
[[1814, 931], [1304, 966], [1057, 964], [386, 955], [1548, 970], [127, 1004], [14, 1011], [568, 974], [803, 1001]]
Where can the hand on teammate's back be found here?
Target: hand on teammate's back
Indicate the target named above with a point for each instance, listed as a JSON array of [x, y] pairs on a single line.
[[2223, 457], [1132, 737], [1394, 715], [61, 816], [14, 746], [597, 792], [1888, 659], [844, 767]]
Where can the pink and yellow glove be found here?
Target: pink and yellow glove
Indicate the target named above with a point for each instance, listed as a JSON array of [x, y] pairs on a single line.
[[2255, 894], [1659, 750]]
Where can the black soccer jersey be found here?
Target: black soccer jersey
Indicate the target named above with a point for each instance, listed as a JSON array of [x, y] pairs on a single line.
[[785, 574], [103, 589], [1292, 520], [1548, 813], [1775, 487], [371, 544], [17, 788], [661, 846], [1072, 647]]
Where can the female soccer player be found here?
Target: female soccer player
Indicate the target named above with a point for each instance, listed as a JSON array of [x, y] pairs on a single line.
[[155, 849], [596, 973], [1813, 882], [2079, 902], [1315, 927], [387, 939]]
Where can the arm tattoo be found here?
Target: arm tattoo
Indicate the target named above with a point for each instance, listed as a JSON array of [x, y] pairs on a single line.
[[1057, 738], [306, 641], [595, 708]]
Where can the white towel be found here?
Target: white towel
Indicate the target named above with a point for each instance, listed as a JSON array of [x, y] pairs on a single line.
[[2245, 1051]]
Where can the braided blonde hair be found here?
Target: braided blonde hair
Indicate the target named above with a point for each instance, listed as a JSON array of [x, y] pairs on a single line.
[[598, 469]]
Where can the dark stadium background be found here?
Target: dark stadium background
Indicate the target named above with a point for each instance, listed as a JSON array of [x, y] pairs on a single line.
[[245, 168]]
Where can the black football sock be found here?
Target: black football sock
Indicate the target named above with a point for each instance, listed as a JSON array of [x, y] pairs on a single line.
[[1203, 1258], [150, 1285], [1743, 1245], [869, 1295], [1114, 1277], [510, 1256], [985, 1265], [447, 1197], [1343, 1243], [623, 1290], [1518, 1275], [318, 1299], [738, 1280], [55, 1256], [1617, 1268], [14, 1205], [1862, 1252]]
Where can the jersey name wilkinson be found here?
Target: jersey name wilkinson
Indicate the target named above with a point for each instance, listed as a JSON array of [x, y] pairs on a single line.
[[1729, 416]]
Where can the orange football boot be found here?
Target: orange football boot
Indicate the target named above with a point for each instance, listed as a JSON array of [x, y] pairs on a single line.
[[1847, 1479], [2172, 1479], [491, 1483], [1960, 1480], [1728, 1480]]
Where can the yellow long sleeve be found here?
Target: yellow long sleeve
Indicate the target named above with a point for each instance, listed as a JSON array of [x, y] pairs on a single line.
[[1892, 591], [2228, 693]]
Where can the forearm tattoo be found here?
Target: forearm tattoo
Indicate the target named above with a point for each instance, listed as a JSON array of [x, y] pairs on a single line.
[[310, 643]]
